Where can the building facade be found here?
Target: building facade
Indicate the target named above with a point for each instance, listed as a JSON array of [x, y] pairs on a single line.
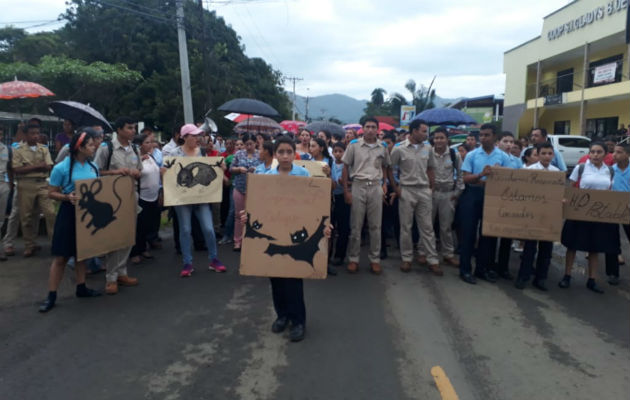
[[574, 77]]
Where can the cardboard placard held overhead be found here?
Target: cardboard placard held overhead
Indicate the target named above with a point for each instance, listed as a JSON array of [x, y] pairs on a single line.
[[105, 215], [284, 234], [524, 204], [597, 206], [315, 168], [192, 180]]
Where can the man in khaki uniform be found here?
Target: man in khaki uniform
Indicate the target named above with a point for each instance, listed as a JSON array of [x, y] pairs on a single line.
[[416, 165], [6, 183], [448, 186], [366, 162], [120, 157], [31, 165]]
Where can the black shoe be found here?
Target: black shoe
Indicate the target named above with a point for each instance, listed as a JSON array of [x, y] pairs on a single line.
[[87, 292], [337, 261], [540, 284], [565, 282], [46, 306], [487, 276], [505, 275], [332, 271], [592, 286], [279, 325], [520, 283], [468, 278], [383, 254], [613, 280], [297, 333]]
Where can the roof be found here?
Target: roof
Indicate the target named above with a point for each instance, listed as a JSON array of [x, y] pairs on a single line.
[[481, 101], [522, 44]]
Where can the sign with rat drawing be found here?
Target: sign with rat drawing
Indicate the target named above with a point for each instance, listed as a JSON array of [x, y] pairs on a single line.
[[192, 180], [105, 215], [284, 232]]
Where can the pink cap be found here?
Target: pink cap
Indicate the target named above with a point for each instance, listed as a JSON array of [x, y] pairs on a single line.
[[190, 129]]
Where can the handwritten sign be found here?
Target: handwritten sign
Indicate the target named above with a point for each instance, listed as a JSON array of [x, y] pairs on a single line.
[[284, 232], [523, 204], [597, 206]]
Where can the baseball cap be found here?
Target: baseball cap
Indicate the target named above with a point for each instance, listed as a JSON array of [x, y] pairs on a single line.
[[190, 129]]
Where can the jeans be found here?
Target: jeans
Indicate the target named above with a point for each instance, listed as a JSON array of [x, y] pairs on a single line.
[[204, 215], [228, 230]]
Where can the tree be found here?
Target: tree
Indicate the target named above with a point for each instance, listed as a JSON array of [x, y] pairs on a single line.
[[378, 97]]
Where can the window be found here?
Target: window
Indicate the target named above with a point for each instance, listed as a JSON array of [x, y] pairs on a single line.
[[575, 142], [562, 127], [599, 128], [604, 79], [564, 81]]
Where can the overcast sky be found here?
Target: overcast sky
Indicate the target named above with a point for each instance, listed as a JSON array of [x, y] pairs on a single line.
[[354, 46]]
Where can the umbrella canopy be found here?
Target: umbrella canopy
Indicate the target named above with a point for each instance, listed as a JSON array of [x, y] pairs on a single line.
[[258, 125], [334, 129], [249, 106], [292, 126], [22, 89], [236, 117], [382, 126], [80, 114], [356, 127], [445, 116]]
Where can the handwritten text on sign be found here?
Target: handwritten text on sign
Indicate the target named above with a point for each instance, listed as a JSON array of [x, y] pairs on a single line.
[[523, 204], [597, 206]]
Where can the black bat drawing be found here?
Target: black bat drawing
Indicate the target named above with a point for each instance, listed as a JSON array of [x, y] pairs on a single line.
[[251, 230], [195, 173], [302, 251]]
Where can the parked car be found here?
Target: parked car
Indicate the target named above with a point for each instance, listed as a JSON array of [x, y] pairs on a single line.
[[572, 147]]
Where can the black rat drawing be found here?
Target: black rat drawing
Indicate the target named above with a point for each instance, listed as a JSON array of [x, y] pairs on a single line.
[[195, 173], [304, 247], [251, 230], [102, 214]]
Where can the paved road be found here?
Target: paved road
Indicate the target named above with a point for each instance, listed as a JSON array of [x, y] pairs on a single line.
[[368, 337]]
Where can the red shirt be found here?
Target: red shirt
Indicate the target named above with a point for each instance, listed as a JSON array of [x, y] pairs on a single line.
[[608, 159], [213, 153]]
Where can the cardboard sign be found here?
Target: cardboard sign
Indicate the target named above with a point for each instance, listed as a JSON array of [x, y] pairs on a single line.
[[315, 168], [597, 206], [284, 234], [523, 204], [105, 215], [192, 180]]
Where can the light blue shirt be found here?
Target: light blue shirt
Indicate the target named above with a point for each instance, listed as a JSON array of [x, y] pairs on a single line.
[[335, 173], [621, 180], [477, 160], [157, 156], [515, 162], [261, 169], [295, 171], [60, 172]]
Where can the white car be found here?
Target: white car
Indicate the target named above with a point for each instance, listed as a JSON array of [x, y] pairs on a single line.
[[572, 147]]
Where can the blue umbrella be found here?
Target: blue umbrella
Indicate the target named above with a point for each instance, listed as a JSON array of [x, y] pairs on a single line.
[[445, 116]]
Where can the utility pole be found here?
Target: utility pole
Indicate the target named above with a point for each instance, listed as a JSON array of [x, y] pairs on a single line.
[[183, 64], [294, 79], [307, 97]]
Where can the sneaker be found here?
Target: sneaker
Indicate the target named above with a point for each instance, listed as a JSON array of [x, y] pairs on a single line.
[[186, 271], [225, 240], [217, 266]]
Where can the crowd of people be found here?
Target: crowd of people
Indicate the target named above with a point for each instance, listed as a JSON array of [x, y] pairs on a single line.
[[411, 187]]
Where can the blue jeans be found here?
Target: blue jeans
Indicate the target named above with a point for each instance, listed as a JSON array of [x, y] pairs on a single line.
[[228, 231], [204, 215]]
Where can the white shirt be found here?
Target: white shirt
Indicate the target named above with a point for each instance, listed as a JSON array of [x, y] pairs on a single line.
[[150, 180], [169, 148], [538, 165], [592, 177]]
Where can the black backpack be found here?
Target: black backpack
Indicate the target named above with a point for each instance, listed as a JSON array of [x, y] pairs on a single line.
[[581, 171], [110, 152], [455, 166]]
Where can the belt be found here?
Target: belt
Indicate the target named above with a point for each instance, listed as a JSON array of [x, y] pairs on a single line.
[[444, 189], [366, 182], [31, 179], [476, 185], [415, 186]]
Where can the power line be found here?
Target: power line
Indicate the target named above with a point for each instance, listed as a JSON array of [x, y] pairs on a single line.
[[153, 17]]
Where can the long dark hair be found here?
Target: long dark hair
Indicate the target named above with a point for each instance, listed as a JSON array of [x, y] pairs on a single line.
[[74, 149], [321, 143]]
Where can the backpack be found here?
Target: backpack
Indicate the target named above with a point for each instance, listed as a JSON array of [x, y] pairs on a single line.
[[581, 171], [110, 152]]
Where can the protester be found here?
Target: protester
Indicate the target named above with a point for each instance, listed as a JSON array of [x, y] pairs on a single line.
[[231, 146], [63, 138], [260, 139], [31, 165], [318, 151], [119, 157], [366, 162], [62, 188], [13, 223], [170, 147], [390, 222], [302, 152], [65, 150], [327, 138], [530, 156], [351, 134], [621, 183], [531, 247], [539, 135], [592, 237], [463, 149], [476, 168], [608, 158], [6, 183], [341, 210], [517, 149], [471, 141], [244, 162], [266, 156]]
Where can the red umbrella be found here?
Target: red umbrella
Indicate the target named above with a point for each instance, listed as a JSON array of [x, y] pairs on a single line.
[[22, 89], [236, 117], [382, 126], [292, 126]]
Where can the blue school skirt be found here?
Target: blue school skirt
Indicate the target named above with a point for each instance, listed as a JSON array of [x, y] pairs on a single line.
[[595, 237], [64, 241]]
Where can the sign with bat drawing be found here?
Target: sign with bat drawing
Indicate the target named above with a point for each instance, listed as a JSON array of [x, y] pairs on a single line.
[[192, 180], [284, 232], [105, 215]]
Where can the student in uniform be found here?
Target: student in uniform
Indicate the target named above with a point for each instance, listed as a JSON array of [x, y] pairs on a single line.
[[341, 210], [64, 244], [288, 293], [476, 168], [266, 156], [6, 183], [592, 237], [621, 183], [366, 162], [544, 248]]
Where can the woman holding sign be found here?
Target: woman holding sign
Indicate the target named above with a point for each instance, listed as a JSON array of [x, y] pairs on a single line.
[[75, 167], [592, 237]]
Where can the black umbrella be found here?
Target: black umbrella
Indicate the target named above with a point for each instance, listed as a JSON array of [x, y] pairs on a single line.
[[330, 127], [249, 106], [80, 114]]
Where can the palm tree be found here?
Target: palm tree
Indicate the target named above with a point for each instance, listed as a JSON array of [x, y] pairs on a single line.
[[378, 97]]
